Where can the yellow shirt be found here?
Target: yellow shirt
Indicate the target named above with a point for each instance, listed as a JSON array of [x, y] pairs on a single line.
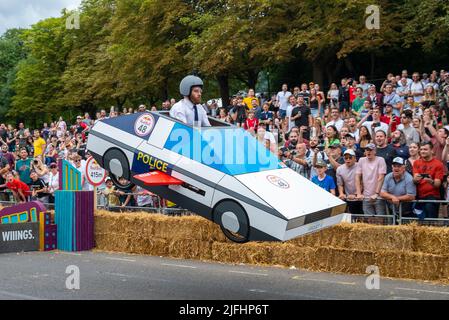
[[38, 147], [248, 103]]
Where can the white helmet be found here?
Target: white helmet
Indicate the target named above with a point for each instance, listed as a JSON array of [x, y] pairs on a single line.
[[186, 85]]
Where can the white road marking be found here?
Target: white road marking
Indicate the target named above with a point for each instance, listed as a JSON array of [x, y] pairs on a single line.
[[323, 280], [250, 273], [121, 275], [422, 290], [19, 296], [70, 253], [178, 265], [257, 290], [120, 259]]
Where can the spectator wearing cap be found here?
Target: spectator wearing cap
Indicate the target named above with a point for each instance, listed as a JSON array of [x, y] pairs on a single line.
[[346, 175], [392, 120], [351, 144], [322, 179], [399, 187], [143, 108], [428, 174], [384, 150], [314, 154], [411, 134], [370, 175]]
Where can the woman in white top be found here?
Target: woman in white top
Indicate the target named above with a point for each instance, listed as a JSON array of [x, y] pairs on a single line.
[[332, 94], [53, 182]]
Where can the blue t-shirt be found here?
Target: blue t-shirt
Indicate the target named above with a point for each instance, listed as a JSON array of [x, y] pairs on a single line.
[[327, 183]]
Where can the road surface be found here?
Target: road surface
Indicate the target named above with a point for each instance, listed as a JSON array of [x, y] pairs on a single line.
[[42, 275]]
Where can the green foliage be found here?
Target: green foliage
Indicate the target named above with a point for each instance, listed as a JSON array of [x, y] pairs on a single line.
[[134, 51]]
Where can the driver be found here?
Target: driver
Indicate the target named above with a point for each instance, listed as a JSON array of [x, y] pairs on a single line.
[[189, 109]]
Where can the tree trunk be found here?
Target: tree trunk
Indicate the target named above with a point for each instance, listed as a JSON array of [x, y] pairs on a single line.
[[350, 66], [252, 78], [318, 71], [373, 64], [223, 82]]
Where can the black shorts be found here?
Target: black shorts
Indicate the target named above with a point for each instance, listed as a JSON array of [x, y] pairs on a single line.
[[343, 106]]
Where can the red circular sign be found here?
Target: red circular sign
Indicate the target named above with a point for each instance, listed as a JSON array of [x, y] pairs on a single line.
[[94, 173]]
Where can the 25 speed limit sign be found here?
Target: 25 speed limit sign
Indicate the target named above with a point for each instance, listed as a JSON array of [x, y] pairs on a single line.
[[94, 173]]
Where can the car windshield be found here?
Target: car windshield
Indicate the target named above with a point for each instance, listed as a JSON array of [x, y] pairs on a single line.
[[230, 150]]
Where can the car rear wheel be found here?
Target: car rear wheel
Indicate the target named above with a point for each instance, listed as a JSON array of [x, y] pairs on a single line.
[[116, 163], [233, 221]]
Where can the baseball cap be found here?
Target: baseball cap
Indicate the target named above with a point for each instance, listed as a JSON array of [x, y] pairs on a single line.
[[108, 179], [350, 135], [321, 163], [350, 152], [53, 165], [398, 160], [79, 117], [371, 146]]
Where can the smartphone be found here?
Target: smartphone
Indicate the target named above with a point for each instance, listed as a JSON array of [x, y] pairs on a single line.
[[425, 175]]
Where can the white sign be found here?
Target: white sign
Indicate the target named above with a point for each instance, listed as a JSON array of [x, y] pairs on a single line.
[[144, 124], [94, 173]]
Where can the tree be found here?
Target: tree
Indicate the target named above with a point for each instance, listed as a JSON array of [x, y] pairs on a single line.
[[38, 82], [328, 31], [427, 24], [86, 80], [11, 52]]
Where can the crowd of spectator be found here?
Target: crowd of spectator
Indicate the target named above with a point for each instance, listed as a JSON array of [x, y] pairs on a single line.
[[373, 147]]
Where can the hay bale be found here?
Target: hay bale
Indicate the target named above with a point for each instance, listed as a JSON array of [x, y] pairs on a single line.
[[288, 255], [341, 260], [431, 240], [375, 238], [250, 253], [159, 226], [190, 249], [336, 236], [412, 265]]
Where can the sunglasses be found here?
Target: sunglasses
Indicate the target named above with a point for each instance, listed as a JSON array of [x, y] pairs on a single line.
[[348, 157]]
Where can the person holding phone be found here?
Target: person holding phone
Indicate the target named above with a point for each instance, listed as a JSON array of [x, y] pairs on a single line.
[[428, 173]]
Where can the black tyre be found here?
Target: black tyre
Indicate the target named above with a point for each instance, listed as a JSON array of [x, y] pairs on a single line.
[[116, 163], [233, 221]]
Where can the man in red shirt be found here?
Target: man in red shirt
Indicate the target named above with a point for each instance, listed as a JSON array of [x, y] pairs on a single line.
[[20, 190], [428, 174], [251, 124], [389, 116]]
